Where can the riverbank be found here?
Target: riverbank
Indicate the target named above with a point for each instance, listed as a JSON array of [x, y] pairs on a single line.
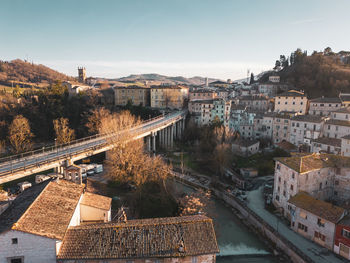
[[280, 246]]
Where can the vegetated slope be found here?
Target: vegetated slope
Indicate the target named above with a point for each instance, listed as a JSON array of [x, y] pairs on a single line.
[[22, 71], [321, 74]]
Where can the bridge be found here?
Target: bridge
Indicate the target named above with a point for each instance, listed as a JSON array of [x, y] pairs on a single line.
[[162, 129]]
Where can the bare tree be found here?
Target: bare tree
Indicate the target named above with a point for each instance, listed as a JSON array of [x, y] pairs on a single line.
[[20, 135], [64, 134], [96, 118]]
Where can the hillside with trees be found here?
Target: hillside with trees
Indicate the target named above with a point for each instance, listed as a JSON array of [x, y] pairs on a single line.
[[26, 72], [320, 74]]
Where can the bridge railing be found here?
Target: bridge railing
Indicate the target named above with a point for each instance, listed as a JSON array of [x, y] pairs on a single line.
[[60, 151]]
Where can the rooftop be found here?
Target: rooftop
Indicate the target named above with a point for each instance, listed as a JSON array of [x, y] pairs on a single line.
[[144, 238], [245, 143], [338, 122], [291, 93], [326, 100], [44, 209], [343, 110], [306, 163], [328, 141], [317, 207], [308, 118], [97, 201]]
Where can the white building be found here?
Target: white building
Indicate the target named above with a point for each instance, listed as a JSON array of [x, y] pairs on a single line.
[[315, 219], [345, 145], [245, 147], [291, 101], [324, 106], [33, 226], [326, 145], [305, 128]]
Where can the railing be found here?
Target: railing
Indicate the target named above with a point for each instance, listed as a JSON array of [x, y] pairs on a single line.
[[30, 159]]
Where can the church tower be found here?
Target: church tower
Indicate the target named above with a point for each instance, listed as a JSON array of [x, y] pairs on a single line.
[[82, 74]]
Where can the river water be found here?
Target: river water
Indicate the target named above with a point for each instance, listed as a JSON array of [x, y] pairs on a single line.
[[236, 242]]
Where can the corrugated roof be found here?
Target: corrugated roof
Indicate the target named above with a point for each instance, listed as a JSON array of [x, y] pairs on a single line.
[[317, 207], [144, 238]]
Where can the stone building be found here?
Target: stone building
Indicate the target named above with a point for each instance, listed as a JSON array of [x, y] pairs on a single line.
[[305, 128], [345, 145], [281, 128], [291, 101], [314, 219], [254, 102], [200, 111], [342, 238], [245, 147], [221, 109], [169, 97], [202, 94], [326, 145], [168, 240], [323, 176], [135, 94], [324, 106]]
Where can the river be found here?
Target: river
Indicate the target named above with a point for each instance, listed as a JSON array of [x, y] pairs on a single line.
[[236, 242]]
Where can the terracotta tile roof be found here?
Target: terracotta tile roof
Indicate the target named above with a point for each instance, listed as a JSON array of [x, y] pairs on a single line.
[[328, 141], [317, 207], [306, 163], [291, 93], [146, 238], [97, 201], [14, 212], [48, 209], [326, 100], [338, 122], [308, 118]]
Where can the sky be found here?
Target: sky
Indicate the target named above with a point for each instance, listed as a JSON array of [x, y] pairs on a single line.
[[210, 38]]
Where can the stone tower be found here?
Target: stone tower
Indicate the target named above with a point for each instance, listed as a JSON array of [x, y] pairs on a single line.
[[82, 74]]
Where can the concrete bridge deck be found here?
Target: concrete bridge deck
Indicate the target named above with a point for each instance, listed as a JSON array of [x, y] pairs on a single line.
[[18, 166]]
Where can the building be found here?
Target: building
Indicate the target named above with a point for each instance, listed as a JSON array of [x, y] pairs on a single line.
[[324, 106], [134, 94], [172, 239], [315, 219], [202, 94], [342, 238], [305, 128], [281, 127], [291, 101], [245, 147], [345, 145], [169, 97], [221, 109], [339, 124], [75, 88], [82, 75], [200, 111], [323, 176], [33, 227], [254, 102], [326, 145], [345, 99], [273, 86]]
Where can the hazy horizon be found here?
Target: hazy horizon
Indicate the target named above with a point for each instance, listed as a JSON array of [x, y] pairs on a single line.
[[204, 38]]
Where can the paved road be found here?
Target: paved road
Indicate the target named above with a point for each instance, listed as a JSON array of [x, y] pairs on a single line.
[[40, 158]]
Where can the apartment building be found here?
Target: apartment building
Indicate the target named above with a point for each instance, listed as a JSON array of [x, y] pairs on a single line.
[[281, 128], [323, 176], [272, 86], [202, 94], [169, 97], [326, 145], [345, 145], [200, 111], [291, 101], [135, 94], [338, 125], [315, 219], [254, 102], [221, 109], [324, 106], [305, 128]]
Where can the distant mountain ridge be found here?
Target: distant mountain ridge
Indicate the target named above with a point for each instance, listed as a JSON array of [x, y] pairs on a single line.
[[197, 80]]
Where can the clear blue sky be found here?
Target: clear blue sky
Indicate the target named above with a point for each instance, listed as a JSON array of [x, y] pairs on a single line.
[[216, 38]]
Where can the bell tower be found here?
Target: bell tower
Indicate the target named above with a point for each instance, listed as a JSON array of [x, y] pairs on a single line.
[[82, 74]]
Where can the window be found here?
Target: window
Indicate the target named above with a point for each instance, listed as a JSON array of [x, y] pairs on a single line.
[[320, 222], [14, 241], [277, 197], [320, 186], [293, 175], [318, 235], [302, 214], [291, 187], [345, 233], [302, 227], [16, 260], [278, 168]]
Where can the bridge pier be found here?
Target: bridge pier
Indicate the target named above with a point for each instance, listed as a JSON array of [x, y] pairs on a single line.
[[148, 143], [154, 141], [171, 136]]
